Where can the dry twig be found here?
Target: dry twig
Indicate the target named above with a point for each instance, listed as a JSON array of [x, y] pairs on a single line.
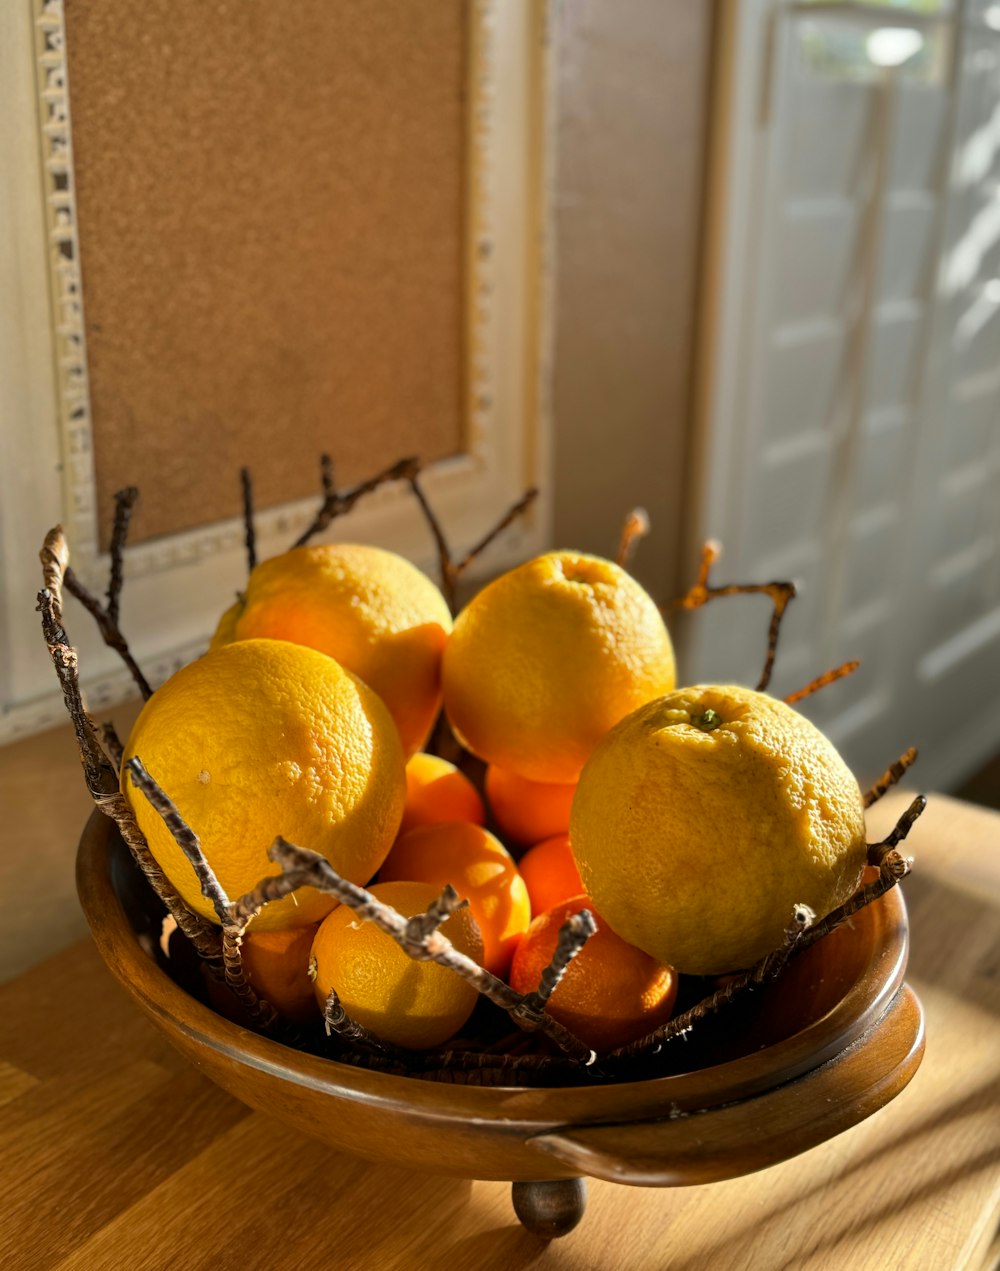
[[111, 745], [891, 775], [338, 502], [301, 867], [106, 616], [766, 969], [125, 501], [781, 594], [417, 936], [233, 924], [821, 681], [573, 935], [350, 1033], [451, 569], [804, 932], [249, 532], [636, 527], [101, 778]]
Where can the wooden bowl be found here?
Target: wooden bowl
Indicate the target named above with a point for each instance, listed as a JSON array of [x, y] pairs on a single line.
[[834, 1039]]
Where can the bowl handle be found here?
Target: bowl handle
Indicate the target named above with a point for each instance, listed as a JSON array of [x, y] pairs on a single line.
[[703, 1147]]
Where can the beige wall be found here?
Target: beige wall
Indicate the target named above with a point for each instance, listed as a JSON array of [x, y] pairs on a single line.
[[633, 88], [632, 103]]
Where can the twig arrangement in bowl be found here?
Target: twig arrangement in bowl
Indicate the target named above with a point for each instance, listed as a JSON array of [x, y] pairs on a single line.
[[598, 1114]]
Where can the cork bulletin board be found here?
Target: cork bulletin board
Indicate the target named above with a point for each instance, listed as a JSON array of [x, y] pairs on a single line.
[[270, 214]]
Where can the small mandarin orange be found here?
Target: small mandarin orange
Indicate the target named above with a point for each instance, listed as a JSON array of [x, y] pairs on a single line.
[[413, 1004], [550, 873], [528, 811], [480, 869], [436, 791], [611, 994], [277, 965]]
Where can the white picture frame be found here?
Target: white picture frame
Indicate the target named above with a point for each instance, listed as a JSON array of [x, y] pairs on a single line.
[[176, 586]]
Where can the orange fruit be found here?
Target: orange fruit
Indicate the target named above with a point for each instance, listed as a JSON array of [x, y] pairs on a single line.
[[548, 657], [612, 993], [550, 873], [277, 965], [528, 811], [705, 817], [261, 738], [480, 869], [436, 791], [413, 1004], [373, 611]]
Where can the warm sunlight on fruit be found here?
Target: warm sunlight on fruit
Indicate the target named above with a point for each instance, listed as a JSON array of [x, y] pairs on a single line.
[[373, 611], [527, 811], [548, 657], [437, 791], [550, 873], [612, 993], [261, 738], [277, 965], [413, 1004], [480, 869], [706, 816]]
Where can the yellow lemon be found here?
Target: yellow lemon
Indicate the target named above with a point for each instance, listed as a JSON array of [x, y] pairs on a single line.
[[706, 816], [373, 611], [262, 738], [413, 1004], [548, 657]]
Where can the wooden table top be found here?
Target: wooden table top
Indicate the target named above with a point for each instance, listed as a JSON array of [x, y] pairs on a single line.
[[116, 1153]]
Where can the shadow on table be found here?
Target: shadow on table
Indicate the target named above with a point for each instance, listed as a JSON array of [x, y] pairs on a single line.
[[966, 960]]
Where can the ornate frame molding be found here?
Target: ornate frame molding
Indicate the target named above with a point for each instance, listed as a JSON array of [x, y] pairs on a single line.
[[507, 262]]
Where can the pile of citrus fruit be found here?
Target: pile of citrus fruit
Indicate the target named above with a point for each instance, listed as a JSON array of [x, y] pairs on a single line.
[[689, 821]]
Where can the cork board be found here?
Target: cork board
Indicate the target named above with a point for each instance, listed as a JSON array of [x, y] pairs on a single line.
[[270, 208]]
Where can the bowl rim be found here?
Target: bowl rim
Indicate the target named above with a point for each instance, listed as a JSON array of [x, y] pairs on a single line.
[[197, 1025]]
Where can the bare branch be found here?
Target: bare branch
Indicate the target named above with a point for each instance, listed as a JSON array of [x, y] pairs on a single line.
[[451, 569], [249, 532], [573, 935], [125, 501], [56, 573], [821, 681], [878, 851], [305, 867], [96, 769], [781, 594], [110, 634], [891, 775], [766, 969], [635, 528], [509, 517], [326, 476], [111, 745], [184, 837], [440, 542], [338, 502], [101, 777], [260, 1011], [337, 1021]]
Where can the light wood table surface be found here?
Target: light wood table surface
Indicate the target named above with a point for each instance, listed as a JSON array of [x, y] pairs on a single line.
[[116, 1153]]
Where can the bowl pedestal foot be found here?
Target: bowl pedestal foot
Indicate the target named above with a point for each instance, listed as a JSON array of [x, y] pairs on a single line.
[[550, 1208]]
